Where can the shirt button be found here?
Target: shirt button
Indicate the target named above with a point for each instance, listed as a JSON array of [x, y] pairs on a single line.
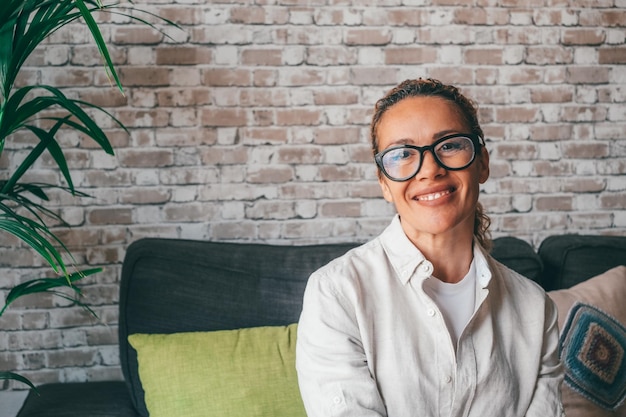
[[448, 379], [430, 312], [426, 268], [337, 400]]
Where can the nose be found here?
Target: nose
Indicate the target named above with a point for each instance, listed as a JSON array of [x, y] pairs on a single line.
[[430, 168]]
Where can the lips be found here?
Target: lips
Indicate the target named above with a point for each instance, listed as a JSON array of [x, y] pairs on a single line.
[[435, 195]]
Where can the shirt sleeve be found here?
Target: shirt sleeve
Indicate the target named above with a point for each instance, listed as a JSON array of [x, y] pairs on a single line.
[[333, 373], [546, 399]]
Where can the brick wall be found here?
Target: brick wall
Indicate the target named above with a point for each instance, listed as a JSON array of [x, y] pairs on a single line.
[[253, 126]]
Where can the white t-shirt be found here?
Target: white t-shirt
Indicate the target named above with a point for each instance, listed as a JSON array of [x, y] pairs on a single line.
[[456, 301]]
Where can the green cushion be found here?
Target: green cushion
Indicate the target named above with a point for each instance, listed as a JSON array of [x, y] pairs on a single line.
[[245, 372]]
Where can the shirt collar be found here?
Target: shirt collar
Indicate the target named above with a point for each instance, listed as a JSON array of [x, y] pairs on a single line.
[[409, 263]]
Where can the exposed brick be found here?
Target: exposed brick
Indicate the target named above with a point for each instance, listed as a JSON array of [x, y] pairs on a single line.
[[410, 55], [330, 55], [233, 230], [184, 212], [227, 77], [603, 18], [224, 155], [480, 16], [104, 97], [338, 135], [138, 35], [551, 132], [300, 76], [583, 37], [183, 55], [248, 15], [110, 216], [264, 97], [615, 55], [300, 117], [299, 155], [338, 173], [64, 77], [336, 96], [452, 75], [151, 158], [263, 135], [583, 113], [614, 201], [583, 185], [340, 209], [585, 150], [223, 117], [144, 76], [368, 36], [517, 114], [551, 94], [553, 203], [271, 210], [373, 76], [487, 56], [266, 175], [588, 75]]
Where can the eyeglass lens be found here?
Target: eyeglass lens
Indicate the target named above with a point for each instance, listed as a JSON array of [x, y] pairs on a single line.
[[452, 153]]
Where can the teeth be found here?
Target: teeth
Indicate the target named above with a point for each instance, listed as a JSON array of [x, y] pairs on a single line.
[[433, 196]]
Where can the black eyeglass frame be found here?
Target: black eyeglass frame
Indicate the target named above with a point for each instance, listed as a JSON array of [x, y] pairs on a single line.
[[477, 142]]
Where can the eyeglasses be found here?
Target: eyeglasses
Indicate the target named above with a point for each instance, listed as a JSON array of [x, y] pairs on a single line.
[[453, 152]]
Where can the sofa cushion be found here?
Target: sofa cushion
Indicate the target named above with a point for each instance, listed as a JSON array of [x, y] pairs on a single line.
[[590, 316], [571, 259], [245, 372]]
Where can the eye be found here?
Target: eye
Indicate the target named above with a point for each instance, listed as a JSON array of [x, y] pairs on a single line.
[[454, 145], [397, 156]]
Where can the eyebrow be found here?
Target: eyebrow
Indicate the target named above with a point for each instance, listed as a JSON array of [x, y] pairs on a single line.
[[436, 136]]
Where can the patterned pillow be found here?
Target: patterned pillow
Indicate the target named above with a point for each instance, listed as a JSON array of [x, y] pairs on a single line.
[[593, 346], [607, 293]]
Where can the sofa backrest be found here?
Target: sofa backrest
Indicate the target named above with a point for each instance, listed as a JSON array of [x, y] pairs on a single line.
[[173, 285], [571, 259]]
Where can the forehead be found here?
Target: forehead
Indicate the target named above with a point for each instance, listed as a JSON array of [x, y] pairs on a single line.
[[426, 108], [420, 120]]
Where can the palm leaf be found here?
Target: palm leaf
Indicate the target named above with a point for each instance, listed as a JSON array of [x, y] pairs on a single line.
[[17, 377], [37, 237], [51, 286], [97, 35]]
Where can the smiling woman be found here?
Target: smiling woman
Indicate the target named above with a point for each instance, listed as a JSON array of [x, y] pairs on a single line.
[[422, 320]]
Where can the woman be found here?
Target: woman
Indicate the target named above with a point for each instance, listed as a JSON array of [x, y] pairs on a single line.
[[421, 321]]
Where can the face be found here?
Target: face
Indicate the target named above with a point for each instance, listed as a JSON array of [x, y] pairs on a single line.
[[436, 202]]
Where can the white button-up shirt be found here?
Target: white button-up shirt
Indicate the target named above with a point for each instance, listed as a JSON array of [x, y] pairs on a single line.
[[372, 343]]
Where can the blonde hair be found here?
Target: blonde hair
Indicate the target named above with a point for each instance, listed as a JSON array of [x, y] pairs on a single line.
[[434, 88]]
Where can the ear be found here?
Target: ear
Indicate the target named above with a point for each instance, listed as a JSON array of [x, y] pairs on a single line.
[[484, 165], [382, 181]]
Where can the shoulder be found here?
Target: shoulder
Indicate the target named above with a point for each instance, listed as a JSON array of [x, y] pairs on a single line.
[[351, 265], [515, 285]]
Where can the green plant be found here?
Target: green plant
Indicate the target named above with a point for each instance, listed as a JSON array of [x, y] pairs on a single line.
[[24, 25]]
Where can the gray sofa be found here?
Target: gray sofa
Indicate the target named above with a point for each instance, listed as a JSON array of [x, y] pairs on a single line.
[[170, 286]]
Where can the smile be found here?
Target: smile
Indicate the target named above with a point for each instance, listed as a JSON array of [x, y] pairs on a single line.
[[433, 196]]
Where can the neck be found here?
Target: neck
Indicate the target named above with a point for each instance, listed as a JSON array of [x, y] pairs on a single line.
[[450, 254]]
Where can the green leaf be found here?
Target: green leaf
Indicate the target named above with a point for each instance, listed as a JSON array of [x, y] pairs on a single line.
[[17, 377], [47, 285], [97, 35], [33, 235]]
